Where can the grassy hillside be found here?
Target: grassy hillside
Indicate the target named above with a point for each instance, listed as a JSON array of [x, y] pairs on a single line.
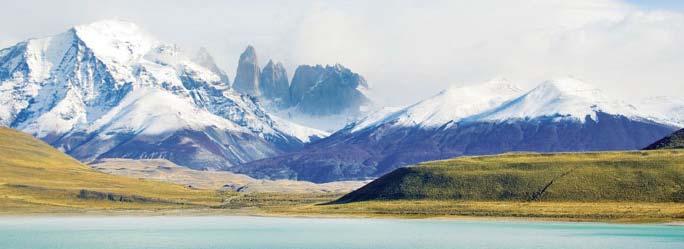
[[35, 177], [674, 141], [648, 176]]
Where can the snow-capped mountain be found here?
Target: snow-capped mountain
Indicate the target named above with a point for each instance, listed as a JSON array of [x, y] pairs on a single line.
[[109, 89], [450, 105], [565, 98], [489, 118]]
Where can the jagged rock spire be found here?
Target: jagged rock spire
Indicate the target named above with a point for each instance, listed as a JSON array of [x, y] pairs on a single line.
[[248, 73], [274, 84]]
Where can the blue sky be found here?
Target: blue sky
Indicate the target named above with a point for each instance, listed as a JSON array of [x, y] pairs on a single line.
[[677, 5]]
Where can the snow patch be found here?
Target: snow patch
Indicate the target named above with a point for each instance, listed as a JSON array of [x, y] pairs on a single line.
[[301, 132]]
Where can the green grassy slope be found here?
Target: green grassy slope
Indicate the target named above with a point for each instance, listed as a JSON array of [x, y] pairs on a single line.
[[35, 177], [647, 176], [674, 141]]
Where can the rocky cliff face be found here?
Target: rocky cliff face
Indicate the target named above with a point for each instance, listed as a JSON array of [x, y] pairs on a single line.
[[248, 73], [305, 77], [324, 97], [329, 90], [274, 84]]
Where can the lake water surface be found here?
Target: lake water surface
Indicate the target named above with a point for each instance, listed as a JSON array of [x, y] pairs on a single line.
[[304, 233]]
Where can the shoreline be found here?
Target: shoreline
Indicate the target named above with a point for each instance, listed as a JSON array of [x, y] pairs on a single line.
[[180, 213]]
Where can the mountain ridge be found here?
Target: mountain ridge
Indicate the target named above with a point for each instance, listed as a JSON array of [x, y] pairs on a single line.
[[63, 91], [370, 149]]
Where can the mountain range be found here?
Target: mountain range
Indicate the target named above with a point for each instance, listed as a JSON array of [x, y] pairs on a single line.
[[110, 90], [488, 118]]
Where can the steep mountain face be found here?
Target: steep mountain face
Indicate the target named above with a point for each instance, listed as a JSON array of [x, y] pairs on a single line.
[[673, 141], [204, 59], [248, 73], [108, 89], [327, 90], [274, 84], [305, 78], [326, 98], [489, 118]]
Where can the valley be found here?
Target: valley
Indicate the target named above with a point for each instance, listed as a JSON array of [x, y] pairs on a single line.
[[37, 179], [104, 118]]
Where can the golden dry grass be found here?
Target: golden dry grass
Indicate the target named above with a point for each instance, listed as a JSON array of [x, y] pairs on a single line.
[[35, 177], [639, 176]]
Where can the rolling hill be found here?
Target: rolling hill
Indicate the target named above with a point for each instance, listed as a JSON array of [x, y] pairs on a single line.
[[35, 177], [643, 176]]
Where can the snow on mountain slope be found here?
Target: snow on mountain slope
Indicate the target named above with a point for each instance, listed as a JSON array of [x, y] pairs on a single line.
[[152, 111], [449, 105], [43, 55], [116, 43], [110, 79], [304, 133], [665, 108], [561, 98]]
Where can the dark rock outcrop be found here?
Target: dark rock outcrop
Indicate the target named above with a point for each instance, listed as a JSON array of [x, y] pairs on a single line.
[[305, 77], [274, 84], [318, 90], [248, 73]]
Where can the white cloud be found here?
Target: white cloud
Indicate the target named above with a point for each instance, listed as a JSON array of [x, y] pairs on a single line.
[[7, 42], [409, 49]]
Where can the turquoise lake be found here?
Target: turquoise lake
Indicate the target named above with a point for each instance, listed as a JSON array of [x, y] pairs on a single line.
[[304, 233]]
